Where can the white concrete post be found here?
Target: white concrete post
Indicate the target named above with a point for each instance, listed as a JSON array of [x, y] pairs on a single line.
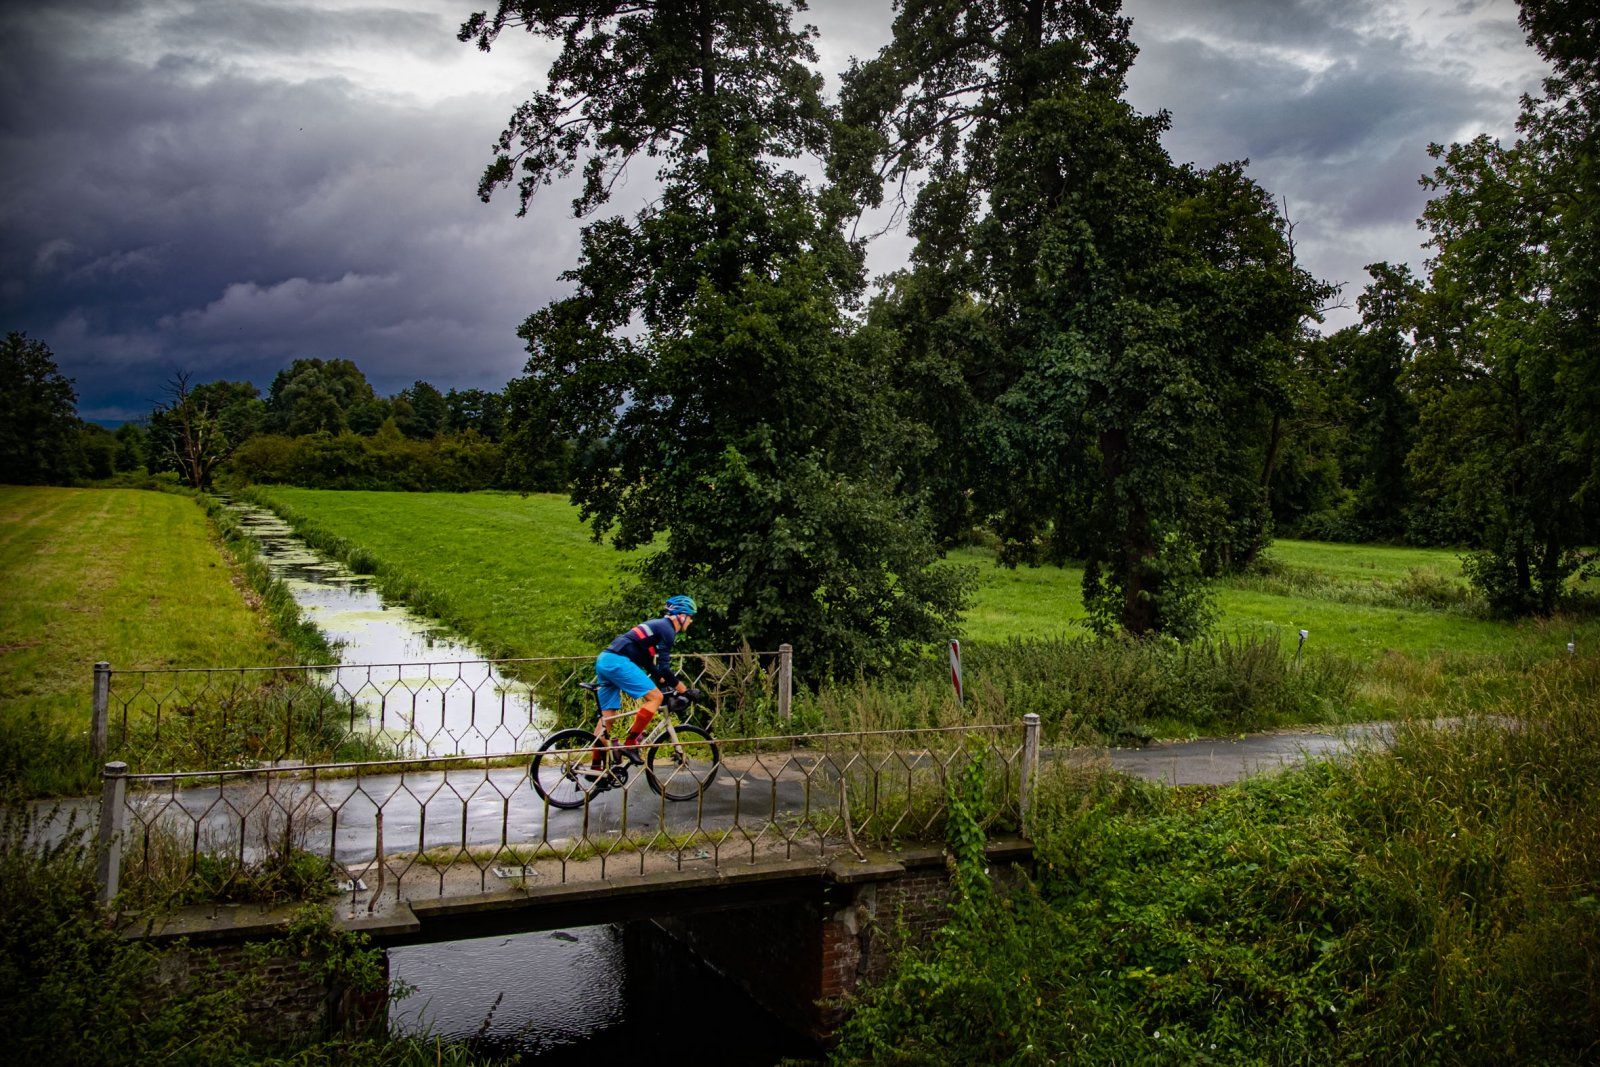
[[113, 822], [100, 719], [1030, 770], [785, 682]]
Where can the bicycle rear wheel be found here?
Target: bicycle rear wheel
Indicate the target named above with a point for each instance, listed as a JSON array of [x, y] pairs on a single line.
[[558, 768], [682, 771]]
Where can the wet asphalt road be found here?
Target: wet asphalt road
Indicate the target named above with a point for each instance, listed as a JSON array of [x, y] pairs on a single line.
[[474, 807]]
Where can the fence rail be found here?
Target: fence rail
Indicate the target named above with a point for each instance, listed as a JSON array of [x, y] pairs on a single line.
[[430, 825], [161, 719]]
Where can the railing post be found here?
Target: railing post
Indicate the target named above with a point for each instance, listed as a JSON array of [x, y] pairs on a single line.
[[113, 821], [100, 720], [1030, 770], [785, 682]]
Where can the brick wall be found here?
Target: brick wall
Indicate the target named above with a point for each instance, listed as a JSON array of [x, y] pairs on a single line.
[[286, 997], [800, 960]]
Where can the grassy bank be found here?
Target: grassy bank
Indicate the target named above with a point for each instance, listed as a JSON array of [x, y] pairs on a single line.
[[514, 574], [135, 578], [1393, 631], [1439, 903], [1365, 601]]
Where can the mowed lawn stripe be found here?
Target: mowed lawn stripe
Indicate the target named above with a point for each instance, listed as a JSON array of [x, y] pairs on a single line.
[[132, 577]]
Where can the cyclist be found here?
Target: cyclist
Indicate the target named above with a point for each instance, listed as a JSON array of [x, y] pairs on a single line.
[[638, 663]]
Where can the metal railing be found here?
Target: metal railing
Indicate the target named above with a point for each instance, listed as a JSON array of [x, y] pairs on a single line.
[[434, 826], [159, 719]]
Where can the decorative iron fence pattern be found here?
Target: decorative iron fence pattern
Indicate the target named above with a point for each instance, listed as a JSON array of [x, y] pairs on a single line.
[[170, 719], [435, 826]]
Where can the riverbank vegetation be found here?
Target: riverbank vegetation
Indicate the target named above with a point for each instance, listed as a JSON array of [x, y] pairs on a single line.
[[132, 578], [1433, 903], [73, 990]]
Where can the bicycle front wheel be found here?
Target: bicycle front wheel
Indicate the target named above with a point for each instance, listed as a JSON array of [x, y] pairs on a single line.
[[683, 769], [559, 768]]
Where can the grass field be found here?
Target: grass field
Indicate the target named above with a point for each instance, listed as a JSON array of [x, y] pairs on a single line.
[[1350, 597], [516, 573], [513, 573], [135, 578]]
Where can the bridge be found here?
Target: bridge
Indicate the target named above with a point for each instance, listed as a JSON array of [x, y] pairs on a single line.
[[793, 863]]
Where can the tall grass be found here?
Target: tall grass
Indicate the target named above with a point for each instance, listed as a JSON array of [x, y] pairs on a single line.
[[1086, 689], [1436, 903], [307, 644], [73, 990]]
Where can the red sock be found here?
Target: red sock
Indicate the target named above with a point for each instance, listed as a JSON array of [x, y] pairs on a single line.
[[640, 721]]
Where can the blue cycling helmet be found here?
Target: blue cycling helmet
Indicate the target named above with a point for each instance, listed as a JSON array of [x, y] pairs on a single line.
[[681, 605]]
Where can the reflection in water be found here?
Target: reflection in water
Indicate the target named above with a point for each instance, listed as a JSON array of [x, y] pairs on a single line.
[[435, 696], [573, 995], [564, 997]]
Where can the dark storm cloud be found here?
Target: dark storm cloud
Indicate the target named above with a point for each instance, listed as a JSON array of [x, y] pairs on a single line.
[[1334, 104], [299, 29], [174, 212], [223, 187]]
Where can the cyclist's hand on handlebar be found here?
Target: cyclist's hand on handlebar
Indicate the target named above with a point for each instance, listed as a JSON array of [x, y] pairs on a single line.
[[696, 696]]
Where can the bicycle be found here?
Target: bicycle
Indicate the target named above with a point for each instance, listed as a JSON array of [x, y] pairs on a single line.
[[681, 759]]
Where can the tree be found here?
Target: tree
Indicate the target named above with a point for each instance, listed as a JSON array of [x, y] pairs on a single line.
[[1367, 394], [1563, 128], [420, 411], [94, 452], [133, 444], [315, 395], [1507, 371], [1492, 433], [38, 414], [702, 366], [199, 427], [538, 457], [478, 410], [1136, 317]]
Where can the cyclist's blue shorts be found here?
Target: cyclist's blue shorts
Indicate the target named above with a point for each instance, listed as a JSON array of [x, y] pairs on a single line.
[[617, 675]]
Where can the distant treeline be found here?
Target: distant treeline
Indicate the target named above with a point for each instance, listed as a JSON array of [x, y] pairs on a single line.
[[321, 425]]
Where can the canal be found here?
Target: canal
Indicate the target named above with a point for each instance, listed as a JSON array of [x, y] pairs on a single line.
[[567, 996]]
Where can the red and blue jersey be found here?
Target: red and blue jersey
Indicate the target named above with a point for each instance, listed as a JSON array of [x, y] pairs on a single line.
[[649, 645]]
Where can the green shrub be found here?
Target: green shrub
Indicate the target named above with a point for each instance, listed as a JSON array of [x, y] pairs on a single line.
[[1434, 903], [385, 461]]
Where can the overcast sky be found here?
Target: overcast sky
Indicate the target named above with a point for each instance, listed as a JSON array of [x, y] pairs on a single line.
[[222, 187]]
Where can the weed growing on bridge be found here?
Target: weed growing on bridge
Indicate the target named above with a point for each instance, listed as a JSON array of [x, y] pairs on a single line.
[[163, 868], [73, 990]]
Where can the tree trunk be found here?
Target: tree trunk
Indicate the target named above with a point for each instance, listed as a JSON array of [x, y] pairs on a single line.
[[1136, 549]]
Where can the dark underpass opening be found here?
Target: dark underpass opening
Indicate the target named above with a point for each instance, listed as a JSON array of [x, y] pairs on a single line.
[[568, 996]]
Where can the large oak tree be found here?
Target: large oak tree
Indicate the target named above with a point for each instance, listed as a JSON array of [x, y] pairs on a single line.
[[703, 363]]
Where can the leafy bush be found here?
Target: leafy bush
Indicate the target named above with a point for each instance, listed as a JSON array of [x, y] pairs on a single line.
[[71, 989], [450, 463], [1435, 903]]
